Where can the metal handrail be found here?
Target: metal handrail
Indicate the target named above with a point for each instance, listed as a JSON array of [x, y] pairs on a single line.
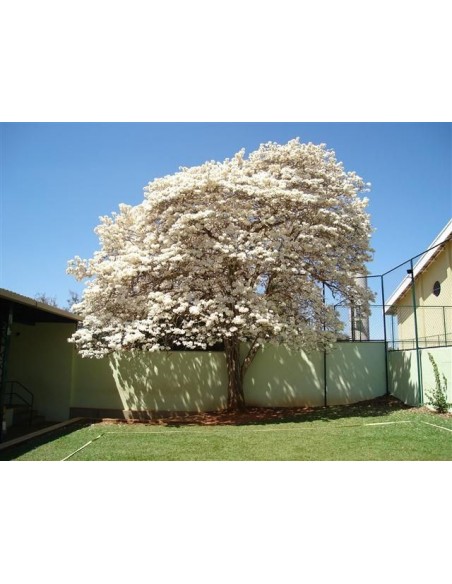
[[29, 403]]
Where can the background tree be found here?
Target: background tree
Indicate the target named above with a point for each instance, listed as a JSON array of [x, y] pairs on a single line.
[[233, 252], [46, 299], [74, 298]]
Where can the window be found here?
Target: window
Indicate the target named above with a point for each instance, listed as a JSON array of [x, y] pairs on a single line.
[[437, 288]]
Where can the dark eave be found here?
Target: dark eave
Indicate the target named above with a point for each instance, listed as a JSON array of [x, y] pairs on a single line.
[[29, 311]]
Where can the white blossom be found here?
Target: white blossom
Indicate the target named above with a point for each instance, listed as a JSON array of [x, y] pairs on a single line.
[[231, 251]]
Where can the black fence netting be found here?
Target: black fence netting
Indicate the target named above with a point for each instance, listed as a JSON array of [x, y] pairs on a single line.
[[411, 308]]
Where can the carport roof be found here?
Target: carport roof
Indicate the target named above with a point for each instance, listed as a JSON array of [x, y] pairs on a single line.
[[29, 311]]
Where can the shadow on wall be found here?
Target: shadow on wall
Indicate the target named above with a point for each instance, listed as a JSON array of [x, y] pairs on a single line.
[[355, 372], [283, 377], [170, 381], [404, 379], [278, 377], [403, 376]]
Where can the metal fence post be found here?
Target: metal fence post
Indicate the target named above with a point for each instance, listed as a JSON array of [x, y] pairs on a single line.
[[325, 386], [385, 335], [416, 333]]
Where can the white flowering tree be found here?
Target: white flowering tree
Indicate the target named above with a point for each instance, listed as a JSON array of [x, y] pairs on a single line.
[[235, 253]]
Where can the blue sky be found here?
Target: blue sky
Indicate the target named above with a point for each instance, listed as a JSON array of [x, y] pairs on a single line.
[[58, 178]]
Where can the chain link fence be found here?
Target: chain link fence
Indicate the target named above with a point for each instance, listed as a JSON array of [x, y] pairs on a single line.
[[419, 327], [411, 308], [402, 327]]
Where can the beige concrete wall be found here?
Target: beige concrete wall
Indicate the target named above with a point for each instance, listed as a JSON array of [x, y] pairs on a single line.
[[443, 359], [93, 385], [403, 373], [41, 358], [403, 379], [356, 372], [281, 377], [173, 381], [197, 381]]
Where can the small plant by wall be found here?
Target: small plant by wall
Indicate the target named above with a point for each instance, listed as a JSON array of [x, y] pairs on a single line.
[[438, 397]]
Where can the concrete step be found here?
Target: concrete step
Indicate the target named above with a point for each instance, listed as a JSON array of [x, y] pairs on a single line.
[[15, 437], [22, 416]]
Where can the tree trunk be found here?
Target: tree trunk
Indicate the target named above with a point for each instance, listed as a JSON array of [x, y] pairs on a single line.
[[236, 398]]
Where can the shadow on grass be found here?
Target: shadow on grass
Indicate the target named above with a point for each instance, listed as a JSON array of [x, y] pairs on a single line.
[[13, 452], [260, 416]]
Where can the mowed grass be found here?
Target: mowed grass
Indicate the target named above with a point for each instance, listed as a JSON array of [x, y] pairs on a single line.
[[329, 434]]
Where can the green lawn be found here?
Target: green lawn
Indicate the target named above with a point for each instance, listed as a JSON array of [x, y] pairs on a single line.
[[338, 433]]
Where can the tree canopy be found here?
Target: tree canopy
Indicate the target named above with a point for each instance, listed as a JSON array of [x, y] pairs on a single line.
[[229, 252]]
